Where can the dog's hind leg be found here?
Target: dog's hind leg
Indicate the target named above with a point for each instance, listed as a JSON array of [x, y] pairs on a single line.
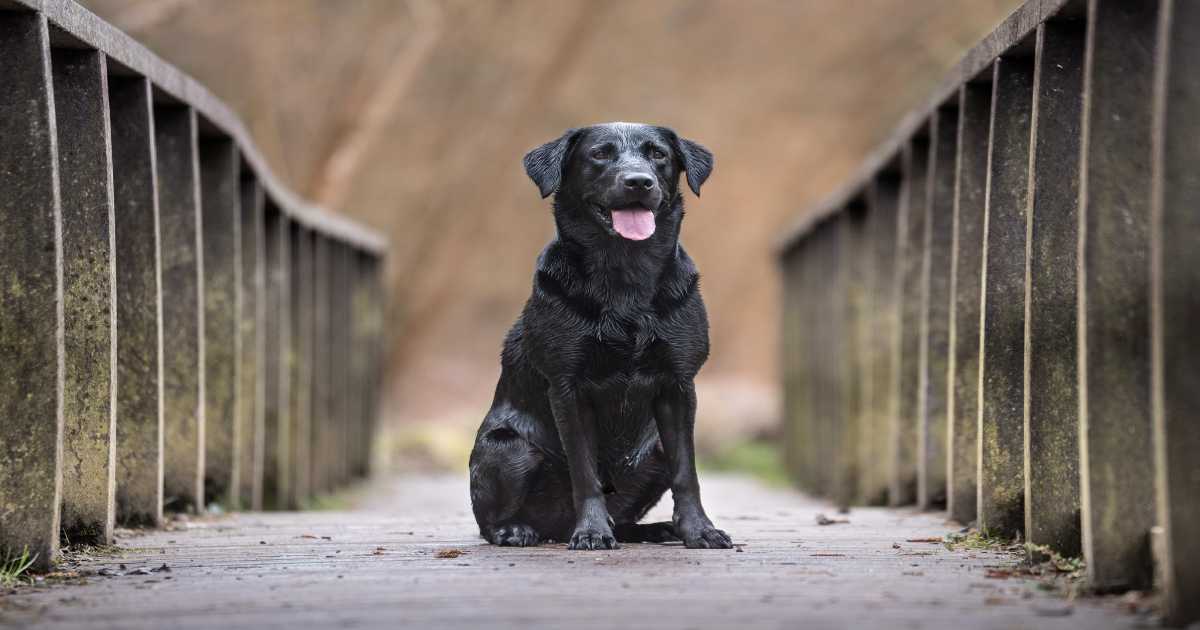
[[645, 532], [502, 467]]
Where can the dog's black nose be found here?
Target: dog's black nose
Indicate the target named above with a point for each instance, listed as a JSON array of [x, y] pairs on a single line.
[[635, 181]]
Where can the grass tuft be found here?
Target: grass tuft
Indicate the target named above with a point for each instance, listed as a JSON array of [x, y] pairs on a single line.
[[14, 569]]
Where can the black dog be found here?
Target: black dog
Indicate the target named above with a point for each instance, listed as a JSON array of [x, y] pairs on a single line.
[[594, 412]]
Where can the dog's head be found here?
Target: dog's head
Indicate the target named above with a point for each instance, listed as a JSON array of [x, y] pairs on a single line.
[[617, 179]]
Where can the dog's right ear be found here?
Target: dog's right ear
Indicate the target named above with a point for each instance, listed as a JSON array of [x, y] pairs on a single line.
[[544, 164]]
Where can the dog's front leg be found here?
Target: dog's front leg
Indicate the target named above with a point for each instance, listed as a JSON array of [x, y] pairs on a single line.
[[675, 413], [576, 429]]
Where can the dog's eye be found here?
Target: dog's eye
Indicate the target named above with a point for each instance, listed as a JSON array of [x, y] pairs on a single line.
[[599, 154], [658, 154]]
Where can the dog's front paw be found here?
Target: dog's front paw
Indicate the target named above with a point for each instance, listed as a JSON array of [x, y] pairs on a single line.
[[593, 538], [515, 536], [704, 536]]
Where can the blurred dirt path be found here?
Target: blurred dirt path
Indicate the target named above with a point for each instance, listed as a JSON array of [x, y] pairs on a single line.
[[408, 555]]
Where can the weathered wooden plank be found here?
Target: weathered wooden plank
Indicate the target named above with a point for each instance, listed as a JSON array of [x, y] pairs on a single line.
[[252, 393], [970, 192], [1175, 231], [176, 150], [1001, 398], [220, 171], [31, 315], [89, 295], [914, 211], [1051, 308], [932, 432], [139, 306], [1117, 471]]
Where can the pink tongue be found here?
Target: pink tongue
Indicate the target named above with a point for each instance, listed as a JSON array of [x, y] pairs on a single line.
[[635, 225]]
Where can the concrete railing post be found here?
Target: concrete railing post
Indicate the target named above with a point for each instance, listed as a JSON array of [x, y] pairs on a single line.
[[221, 222], [139, 307], [89, 295], [1117, 470], [970, 192], [1051, 356], [912, 282], [1001, 397], [252, 392], [1175, 231], [883, 198], [300, 364], [31, 316], [175, 139], [932, 432], [277, 433]]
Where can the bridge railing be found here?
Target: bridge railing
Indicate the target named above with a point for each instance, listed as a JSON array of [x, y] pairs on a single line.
[[996, 313], [177, 329]]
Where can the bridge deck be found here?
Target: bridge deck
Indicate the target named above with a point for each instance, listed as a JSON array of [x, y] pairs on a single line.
[[378, 565]]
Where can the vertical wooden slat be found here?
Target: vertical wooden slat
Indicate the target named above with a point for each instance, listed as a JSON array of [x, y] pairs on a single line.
[[251, 396], [1116, 481], [939, 238], [791, 360], [1001, 399], [175, 136], [89, 295], [139, 305], [1051, 376], [970, 191], [1175, 232], [221, 222], [912, 286], [841, 303], [31, 316]]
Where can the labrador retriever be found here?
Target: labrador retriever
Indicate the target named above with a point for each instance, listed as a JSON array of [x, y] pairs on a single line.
[[594, 412]]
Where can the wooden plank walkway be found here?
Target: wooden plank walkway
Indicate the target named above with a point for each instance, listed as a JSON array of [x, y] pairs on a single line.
[[378, 565]]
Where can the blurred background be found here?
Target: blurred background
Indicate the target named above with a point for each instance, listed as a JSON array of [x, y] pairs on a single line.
[[412, 116]]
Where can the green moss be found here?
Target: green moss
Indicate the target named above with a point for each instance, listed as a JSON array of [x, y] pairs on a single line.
[[759, 459]]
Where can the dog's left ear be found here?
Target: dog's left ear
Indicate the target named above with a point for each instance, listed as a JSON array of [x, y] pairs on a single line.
[[694, 159], [544, 164]]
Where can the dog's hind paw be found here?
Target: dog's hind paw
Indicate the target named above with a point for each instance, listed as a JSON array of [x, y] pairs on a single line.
[[515, 536], [591, 539]]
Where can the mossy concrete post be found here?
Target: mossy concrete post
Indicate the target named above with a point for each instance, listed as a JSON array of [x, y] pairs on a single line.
[[221, 222], [362, 354], [300, 365], [821, 451], [175, 133], [843, 339], [935, 334], [31, 316], [1001, 399], [970, 191], [89, 296], [1051, 359], [1176, 274], [277, 433], [882, 343], [811, 278], [139, 307], [860, 245], [320, 473], [342, 389], [913, 302], [790, 361], [251, 393], [1117, 467], [377, 350]]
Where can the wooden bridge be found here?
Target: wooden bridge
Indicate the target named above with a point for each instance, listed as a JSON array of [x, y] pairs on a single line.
[[991, 318]]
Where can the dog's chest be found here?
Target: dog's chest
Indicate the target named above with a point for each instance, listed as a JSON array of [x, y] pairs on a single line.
[[624, 346]]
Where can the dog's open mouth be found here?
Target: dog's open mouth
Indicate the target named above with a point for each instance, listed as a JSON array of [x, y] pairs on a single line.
[[635, 224]]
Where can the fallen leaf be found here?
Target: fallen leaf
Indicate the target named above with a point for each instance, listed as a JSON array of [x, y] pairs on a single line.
[[309, 536], [998, 574], [825, 520], [936, 541], [448, 553]]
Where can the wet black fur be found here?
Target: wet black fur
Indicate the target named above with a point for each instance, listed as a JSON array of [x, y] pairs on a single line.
[[593, 415]]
